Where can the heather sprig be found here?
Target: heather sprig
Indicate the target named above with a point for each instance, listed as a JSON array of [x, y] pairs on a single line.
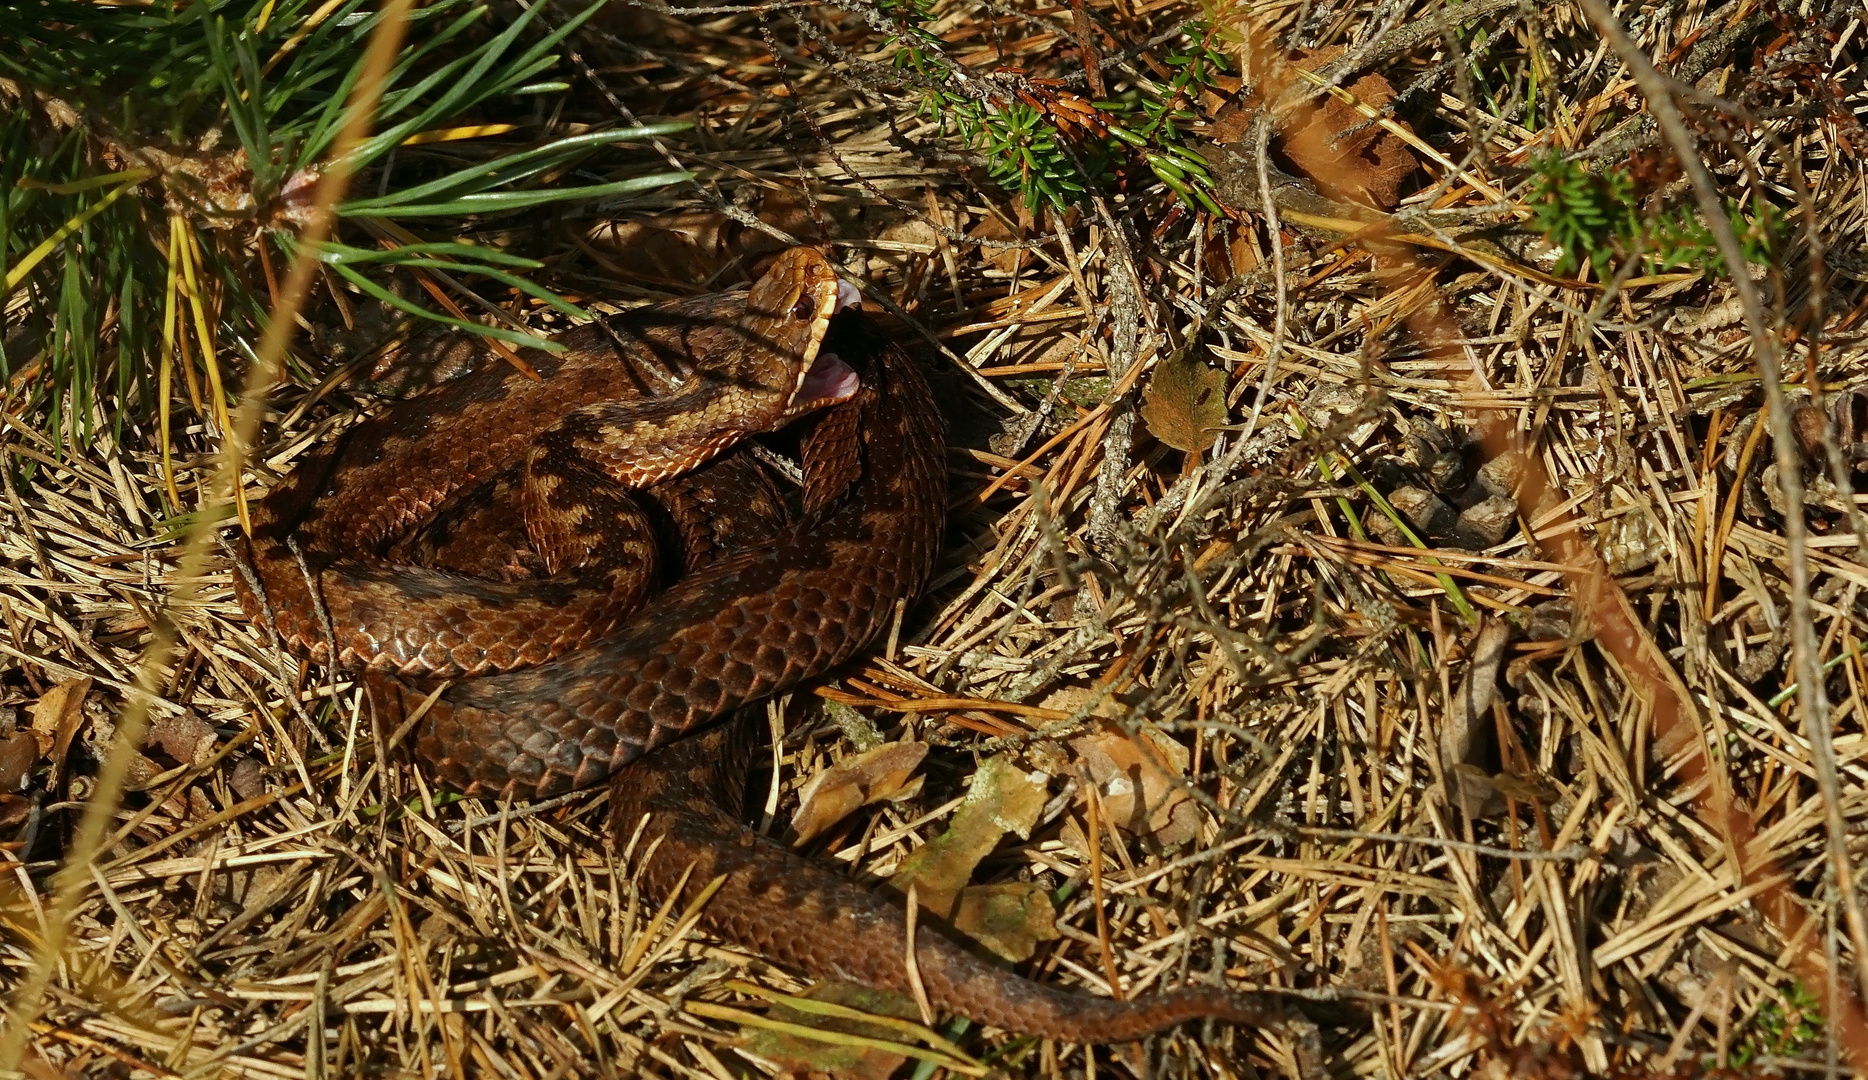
[[1049, 146], [1596, 217]]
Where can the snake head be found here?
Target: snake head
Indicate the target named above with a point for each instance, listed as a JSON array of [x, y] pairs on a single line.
[[787, 315]]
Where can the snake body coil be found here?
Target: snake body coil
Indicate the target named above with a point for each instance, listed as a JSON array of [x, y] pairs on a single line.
[[748, 625], [751, 625]]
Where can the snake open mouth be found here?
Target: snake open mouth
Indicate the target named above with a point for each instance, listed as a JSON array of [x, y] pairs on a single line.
[[829, 381]]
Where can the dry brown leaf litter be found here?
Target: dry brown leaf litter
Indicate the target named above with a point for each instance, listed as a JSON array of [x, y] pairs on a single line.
[[274, 896]]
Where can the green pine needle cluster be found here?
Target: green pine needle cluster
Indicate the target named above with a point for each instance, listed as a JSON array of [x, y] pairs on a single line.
[[1162, 118], [1597, 218], [157, 160], [1030, 155]]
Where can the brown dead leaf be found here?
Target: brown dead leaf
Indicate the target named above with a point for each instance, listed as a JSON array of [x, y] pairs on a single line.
[[1467, 735], [56, 718], [857, 780], [14, 811], [187, 738], [1009, 918], [1185, 403], [798, 1055], [1346, 154], [1141, 781], [1002, 798], [18, 752], [249, 778], [994, 228]]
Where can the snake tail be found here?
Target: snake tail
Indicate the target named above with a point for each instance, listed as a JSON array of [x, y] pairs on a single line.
[[805, 917]]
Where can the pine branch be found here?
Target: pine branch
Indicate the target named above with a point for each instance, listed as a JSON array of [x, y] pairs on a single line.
[[156, 163]]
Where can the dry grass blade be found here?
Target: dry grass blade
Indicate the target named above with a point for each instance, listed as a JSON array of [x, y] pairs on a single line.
[[28, 998], [1468, 635]]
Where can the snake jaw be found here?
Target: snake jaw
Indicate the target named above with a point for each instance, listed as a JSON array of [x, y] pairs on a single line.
[[827, 381], [824, 379]]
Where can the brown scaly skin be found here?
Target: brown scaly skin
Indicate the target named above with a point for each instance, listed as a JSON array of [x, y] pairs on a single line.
[[749, 626], [737, 629], [594, 425], [753, 624], [803, 916], [731, 502]]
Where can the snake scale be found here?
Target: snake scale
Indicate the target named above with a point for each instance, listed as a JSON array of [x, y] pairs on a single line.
[[806, 596], [631, 402]]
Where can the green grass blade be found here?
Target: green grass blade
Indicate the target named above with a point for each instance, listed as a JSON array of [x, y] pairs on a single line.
[[333, 252], [518, 200], [509, 168], [513, 337], [1447, 584]]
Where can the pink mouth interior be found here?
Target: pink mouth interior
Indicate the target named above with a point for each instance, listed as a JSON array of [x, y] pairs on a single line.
[[829, 379], [848, 296]]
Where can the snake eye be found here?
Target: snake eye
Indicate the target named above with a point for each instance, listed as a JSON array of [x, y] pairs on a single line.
[[804, 309]]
